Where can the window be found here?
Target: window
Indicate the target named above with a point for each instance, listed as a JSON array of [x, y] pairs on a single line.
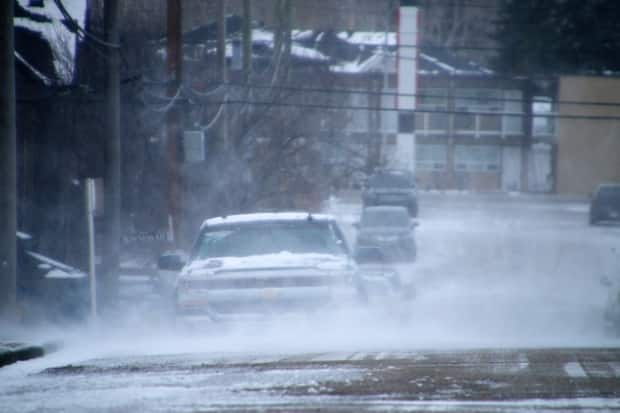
[[431, 157], [433, 98], [359, 113], [543, 125], [513, 125], [438, 122], [377, 217], [477, 158], [488, 100], [406, 121], [268, 238]]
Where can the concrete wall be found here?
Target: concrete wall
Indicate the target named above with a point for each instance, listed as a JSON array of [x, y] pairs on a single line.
[[588, 149]]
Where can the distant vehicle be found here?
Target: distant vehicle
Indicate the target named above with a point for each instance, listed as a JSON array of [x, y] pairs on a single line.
[[390, 229], [265, 264], [392, 187], [374, 264], [605, 204]]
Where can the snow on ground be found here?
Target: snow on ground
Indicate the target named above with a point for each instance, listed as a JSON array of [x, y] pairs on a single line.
[[496, 270], [492, 272]]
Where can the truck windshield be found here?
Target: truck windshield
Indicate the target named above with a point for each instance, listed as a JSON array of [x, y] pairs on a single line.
[[307, 237]]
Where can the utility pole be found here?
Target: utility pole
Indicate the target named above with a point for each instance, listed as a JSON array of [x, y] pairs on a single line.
[[174, 131], [222, 71], [8, 165], [526, 143], [247, 41], [112, 173], [287, 10]]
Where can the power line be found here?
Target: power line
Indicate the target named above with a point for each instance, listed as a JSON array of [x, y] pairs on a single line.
[[426, 4], [419, 95], [71, 21], [417, 110], [427, 46], [167, 101]]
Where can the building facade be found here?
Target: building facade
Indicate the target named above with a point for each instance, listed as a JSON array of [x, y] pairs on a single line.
[[588, 133]]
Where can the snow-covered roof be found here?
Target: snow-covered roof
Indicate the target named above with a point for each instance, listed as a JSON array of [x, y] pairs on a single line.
[[48, 22], [344, 52], [377, 62], [265, 217], [369, 38], [443, 63]]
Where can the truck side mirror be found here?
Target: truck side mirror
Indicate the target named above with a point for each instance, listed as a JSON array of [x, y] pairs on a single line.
[[171, 262]]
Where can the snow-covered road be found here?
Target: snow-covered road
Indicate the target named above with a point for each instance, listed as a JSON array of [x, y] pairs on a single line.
[[517, 276]]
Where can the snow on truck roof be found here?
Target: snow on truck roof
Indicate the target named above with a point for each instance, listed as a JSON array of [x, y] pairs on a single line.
[[264, 217]]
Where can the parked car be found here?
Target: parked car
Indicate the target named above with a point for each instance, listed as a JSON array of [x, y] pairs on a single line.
[[390, 229], [265, 264], [605, 203], [47, 288], [392, 187]]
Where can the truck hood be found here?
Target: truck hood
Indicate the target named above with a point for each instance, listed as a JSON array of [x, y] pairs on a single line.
[[283, 260]]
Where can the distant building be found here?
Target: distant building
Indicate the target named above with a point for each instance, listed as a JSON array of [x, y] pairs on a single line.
[[474, 130], [588, 134]]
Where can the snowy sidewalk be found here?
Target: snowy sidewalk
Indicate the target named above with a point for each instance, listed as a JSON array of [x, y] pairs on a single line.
[[16, 344], [12, 352]]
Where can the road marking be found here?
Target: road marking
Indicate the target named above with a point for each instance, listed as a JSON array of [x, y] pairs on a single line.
[[574, 369]]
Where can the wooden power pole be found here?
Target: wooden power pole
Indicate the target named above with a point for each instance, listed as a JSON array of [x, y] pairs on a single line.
[[222, 70], [247, 41], [112, 173], [8, 166], [174, 128]]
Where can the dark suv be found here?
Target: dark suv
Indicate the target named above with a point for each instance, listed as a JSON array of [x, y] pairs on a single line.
[[48, 289], [389, 229], [392, 187], [605, 203]]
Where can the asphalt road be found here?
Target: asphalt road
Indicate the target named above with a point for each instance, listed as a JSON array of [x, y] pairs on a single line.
[[508, 316], [497, 380]]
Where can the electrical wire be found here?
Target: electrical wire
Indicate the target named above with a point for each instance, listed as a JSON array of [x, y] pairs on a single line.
[[419, 110], [426, 4], [170, 104], [73, 23], [419, 95]]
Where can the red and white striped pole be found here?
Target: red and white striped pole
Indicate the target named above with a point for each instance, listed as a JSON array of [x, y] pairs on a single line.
[[407, 83]]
